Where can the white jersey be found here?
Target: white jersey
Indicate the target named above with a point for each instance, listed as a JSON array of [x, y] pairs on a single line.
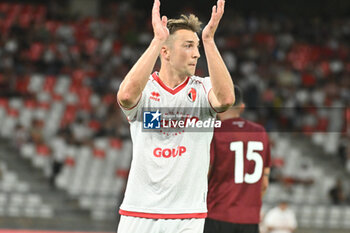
[[168, 175], [282, 221]]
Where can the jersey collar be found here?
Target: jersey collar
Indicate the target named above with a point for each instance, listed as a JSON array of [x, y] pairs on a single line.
[[170, 90]]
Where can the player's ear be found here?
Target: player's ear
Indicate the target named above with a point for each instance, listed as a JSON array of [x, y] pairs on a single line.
[[165, 53], [242, 107]]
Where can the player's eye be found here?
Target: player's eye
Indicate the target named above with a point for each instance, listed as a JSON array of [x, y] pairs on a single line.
[[188, 45]]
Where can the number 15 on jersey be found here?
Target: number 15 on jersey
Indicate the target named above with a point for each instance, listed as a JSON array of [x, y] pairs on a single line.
[[252, 155]]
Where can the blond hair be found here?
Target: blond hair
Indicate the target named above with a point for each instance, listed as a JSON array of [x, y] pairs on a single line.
[[190, 22]]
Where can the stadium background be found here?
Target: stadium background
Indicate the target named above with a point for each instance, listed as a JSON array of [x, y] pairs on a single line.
[[65, 149]]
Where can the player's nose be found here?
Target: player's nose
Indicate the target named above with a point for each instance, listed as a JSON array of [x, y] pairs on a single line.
[[196, 53]]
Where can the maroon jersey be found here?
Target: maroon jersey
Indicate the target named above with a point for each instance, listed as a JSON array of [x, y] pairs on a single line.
[[239, 153]]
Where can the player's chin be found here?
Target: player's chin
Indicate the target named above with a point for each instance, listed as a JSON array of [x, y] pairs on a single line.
[[191, 71]]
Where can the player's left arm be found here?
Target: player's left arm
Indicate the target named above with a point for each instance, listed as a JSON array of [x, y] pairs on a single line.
[[267, 164], [265, 181], [222, 95]]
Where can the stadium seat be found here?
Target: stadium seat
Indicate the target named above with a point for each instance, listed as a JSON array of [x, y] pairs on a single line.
[[9, 123], [14, 211], [3, 198], [28, 150], [345, 223], [33, 200], [15, 103], [321, 213], [16, 199], [36, 82], [62, 85], [46, 211], [335, 214]]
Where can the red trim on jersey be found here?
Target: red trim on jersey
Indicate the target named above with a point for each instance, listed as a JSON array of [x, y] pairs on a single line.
[[162, 216], [171, 91], [212, 105], [132, 106]]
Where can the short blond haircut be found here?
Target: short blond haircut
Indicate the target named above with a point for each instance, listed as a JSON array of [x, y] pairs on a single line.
[[190, 22]]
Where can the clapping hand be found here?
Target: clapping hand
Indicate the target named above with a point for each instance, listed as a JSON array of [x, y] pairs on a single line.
[[160, 29], [210, 28]]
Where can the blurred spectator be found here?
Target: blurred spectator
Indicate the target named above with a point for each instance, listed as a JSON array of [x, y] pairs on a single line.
[[36, 132], [342, 150], [337, 193], [58, 147], [280, 219], [81, 134], [20, 136], [1, 171], [276, 173], [7, 79], [298, 171], [305, 173], [262, 226]]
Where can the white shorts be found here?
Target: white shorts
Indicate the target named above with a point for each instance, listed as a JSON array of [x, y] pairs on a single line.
[[129, 224]]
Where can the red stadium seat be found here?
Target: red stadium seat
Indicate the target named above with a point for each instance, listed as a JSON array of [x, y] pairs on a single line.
[[43, 150], [78, 77], [25, 19], [117, 45], [49, 83], [91, 45], [52, 26], [44, 105], [13, 112], [57, 97], [35, 51], [116, 143], [69, 115], [22, 84], [123, 173], [69, 161], [94, 125], [322, 125], [31, 104], [98, 153], [3, 103]]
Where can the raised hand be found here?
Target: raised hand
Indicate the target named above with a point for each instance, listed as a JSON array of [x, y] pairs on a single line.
[[160, 29], [210, 28]]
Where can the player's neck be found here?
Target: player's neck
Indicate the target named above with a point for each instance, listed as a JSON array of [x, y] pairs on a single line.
[[229, 114], [170, 78]]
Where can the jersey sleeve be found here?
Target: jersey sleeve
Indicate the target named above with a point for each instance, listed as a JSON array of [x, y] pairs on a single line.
[[132, 113], [208, 88]]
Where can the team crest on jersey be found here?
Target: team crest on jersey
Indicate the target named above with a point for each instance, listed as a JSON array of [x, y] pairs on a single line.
[[192, 94], [155, 96]]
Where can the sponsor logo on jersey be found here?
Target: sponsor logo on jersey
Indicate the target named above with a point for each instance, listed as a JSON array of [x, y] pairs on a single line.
[[169, 152], [192, 94], [239, 124], [151, 119], [155, 96]]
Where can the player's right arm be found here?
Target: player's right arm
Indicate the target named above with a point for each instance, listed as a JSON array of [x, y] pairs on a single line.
[[135, 81]]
